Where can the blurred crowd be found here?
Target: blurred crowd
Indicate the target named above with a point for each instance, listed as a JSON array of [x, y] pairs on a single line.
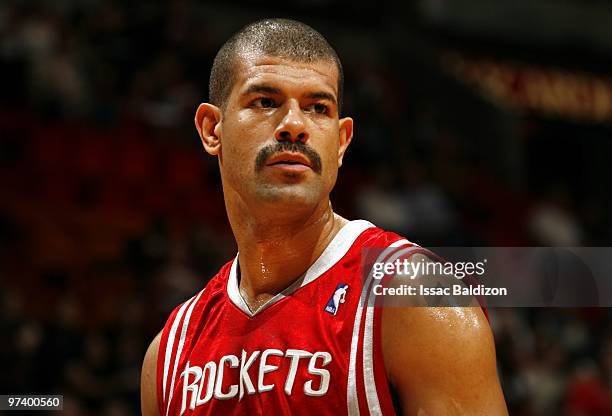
[[111, 214]]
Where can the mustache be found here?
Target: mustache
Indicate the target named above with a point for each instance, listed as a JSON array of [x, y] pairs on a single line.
[[286, 146]]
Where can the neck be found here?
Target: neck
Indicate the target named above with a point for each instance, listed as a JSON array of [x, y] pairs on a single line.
[[276, 250]]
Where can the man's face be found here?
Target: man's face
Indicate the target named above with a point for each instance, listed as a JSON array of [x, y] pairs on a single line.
[[280, 138]]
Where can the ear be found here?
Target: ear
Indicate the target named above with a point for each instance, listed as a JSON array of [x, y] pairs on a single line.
[[208, 124], [346, 135]]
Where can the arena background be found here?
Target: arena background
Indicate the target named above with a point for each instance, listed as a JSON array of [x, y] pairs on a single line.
[[484, 123]]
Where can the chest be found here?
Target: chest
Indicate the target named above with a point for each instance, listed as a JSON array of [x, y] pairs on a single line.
[[294, 353]]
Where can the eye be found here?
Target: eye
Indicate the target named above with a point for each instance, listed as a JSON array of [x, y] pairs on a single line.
[[264, 102], [318, 108]]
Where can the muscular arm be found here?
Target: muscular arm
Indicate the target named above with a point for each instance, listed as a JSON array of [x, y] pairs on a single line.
[[441, 361], [148, 380]]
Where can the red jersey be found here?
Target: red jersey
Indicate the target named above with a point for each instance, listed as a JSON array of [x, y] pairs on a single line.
[[314, 348]]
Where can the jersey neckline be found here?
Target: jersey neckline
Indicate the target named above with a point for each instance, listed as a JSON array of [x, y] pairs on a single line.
[[334, 251]]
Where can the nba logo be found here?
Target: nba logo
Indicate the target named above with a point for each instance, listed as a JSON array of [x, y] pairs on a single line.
[[336, 299]]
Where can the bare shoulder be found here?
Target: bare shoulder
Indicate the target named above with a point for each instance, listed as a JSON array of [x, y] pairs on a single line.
[[148, 379], [441, 360], [452, 325]]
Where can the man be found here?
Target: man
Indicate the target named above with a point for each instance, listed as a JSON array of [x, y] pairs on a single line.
[[288, 326]]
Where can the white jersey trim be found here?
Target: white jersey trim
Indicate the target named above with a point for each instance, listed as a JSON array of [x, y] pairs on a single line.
[[335, 250], [351, 394], [170, 345], [368, 367], [191, 303], [368, 345]]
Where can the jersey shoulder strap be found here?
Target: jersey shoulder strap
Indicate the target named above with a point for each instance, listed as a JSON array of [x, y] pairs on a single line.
[[174, 335]]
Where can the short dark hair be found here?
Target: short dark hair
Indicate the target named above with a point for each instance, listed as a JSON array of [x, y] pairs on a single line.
[[282, 38]]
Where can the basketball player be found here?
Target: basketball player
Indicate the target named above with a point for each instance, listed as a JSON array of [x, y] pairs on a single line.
[[288, 327]]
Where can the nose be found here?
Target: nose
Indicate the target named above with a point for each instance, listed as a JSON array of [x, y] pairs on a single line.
[[293, 125]]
